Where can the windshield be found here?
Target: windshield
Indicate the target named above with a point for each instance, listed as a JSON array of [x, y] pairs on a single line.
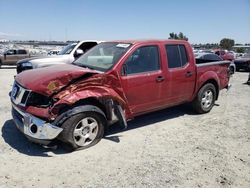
[[103, 56], [67, 49]]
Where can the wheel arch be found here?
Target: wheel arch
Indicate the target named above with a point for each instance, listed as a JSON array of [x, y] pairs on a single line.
[[103, 106], [216, 85]]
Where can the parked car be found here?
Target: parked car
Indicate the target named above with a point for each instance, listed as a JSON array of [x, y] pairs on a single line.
[[11, 56], [225, 55], [206, 57], [53, 52], [243, 63], [113, 81], [66, 55], [210, 57]]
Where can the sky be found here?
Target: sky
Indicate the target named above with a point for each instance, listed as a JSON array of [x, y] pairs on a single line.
[[206, 21]]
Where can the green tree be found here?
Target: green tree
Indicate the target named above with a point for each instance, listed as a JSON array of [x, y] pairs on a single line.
[[240, 50], [227, 43], [176, 36]]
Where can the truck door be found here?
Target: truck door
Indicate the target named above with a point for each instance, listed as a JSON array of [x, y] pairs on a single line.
[[10, 57], [21, 54], [142, 79], [180, 75]]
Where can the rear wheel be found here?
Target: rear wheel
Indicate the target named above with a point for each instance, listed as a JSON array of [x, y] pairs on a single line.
[[205, 99], [83, 130]]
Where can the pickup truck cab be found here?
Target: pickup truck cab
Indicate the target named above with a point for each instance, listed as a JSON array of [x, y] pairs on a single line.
[[10, 57], [113, 81], [67, 55]]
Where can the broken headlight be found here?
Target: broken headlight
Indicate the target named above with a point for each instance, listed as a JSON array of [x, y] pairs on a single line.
[[38, 100]]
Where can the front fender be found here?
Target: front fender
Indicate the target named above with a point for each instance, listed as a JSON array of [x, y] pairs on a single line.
[[69, 98], [95, 92]]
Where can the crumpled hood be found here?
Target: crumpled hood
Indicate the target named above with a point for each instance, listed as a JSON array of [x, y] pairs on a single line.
[[49, 80]]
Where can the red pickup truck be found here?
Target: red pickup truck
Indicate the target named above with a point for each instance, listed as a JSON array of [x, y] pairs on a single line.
[[113, 82]]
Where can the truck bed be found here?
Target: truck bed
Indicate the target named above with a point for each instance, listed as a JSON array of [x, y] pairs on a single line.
[[216, 67]]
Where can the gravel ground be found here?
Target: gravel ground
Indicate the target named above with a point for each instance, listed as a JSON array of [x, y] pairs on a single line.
[[169, 148]]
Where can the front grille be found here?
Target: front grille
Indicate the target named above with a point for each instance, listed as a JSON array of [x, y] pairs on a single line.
[[19, 95], [24, 97]]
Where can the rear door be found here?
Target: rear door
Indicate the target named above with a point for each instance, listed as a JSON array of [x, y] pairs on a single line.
[[21, 54], [180, 75], [142, 79]]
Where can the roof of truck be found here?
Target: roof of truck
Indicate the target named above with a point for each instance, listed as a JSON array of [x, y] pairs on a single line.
[[139, 41]]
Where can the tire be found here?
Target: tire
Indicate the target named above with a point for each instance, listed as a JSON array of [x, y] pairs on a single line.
[[0, 64], [205, 99], [79, 134]]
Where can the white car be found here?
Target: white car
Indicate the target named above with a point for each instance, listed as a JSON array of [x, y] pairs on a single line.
[[66, 55]]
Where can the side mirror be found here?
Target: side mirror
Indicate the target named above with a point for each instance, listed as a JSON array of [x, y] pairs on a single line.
[[78, 52]]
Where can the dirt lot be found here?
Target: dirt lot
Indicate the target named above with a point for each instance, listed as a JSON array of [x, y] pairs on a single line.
[[170, 148]]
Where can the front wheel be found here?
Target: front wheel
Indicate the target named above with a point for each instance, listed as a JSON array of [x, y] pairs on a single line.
[[205, 99], [83, 130]]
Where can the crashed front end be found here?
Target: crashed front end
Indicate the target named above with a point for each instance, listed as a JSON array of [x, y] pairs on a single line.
[[36, 129], [40, 98]]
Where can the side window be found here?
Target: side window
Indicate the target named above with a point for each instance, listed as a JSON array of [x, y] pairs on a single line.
[[177, 56], [144, 59], [21, 52], [11, 52], [183, 53], [86, 46]]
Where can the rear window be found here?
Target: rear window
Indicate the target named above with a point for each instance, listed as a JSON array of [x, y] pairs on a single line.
[[176, 55]]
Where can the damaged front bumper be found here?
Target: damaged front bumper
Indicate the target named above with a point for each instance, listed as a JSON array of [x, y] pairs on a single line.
[[36, 129]]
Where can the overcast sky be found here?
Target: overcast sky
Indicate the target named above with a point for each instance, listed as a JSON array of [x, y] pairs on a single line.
[[201, 21]]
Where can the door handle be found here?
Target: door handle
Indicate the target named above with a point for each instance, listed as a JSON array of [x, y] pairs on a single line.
[[189, 73], [160, 78]]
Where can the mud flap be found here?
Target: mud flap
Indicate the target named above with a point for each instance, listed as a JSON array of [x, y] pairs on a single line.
[[121, 116], [228, 86]]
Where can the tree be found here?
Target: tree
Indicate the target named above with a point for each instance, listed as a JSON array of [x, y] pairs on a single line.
[[226, 43], [240, 50], [180, 36]]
